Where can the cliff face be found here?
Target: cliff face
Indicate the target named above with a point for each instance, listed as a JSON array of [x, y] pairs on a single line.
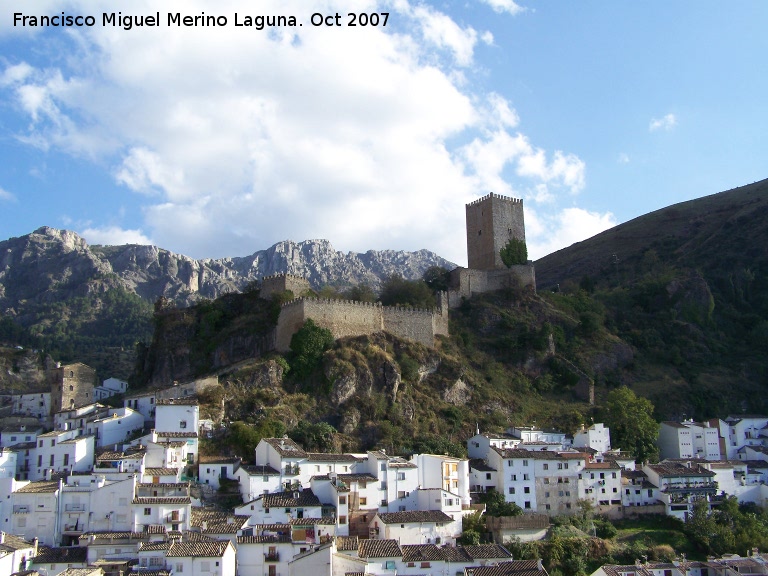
[[51, 265]]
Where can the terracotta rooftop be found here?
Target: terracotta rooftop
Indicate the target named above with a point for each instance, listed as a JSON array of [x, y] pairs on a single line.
[[68, 555], [512, 568], [39, 487], [286, 447], [378, 549], [267, 539], [415, 516], [347, 543], [290, 499], [162, 500], [260, 470], [198, 549], [327, 457], [479, 551]]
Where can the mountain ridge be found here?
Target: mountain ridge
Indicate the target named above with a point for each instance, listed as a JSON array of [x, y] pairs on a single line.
[[62, 261]]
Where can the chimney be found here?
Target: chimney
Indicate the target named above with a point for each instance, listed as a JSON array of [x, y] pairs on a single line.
[[48, 474], [539, 564]]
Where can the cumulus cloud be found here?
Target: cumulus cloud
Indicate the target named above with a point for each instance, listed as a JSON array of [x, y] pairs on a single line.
[[7, 196], [667, 122], [114, 236], [547, 233], [508, 6], [233, 139]]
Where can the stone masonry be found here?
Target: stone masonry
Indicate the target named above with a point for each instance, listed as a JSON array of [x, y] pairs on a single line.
[[491, 222]]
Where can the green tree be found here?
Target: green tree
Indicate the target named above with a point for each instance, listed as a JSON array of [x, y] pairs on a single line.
[[308, 346], [496, 505], [436, 277], [632, 425], [313, 437], [514, 252], [361, 293], [396, 291]]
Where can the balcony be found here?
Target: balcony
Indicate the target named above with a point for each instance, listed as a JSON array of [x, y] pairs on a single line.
[[73, 528], [271, 557], [174, 517], [22, 509], [691, 487], [74, 507], [292, 470]]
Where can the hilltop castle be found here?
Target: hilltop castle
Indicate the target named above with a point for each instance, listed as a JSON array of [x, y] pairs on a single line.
[[491, 222]]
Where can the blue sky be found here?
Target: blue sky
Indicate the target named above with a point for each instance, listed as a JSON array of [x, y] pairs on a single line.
[[220, 141]]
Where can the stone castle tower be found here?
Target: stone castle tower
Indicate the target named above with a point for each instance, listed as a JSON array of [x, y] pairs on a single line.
[[491, 222]]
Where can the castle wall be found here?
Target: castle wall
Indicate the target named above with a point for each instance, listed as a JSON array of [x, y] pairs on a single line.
[[413, 324], [282, 282], [491, 221], [466, 282], [341, 317]]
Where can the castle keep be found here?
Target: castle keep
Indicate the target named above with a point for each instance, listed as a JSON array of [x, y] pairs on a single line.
[[491, 222]]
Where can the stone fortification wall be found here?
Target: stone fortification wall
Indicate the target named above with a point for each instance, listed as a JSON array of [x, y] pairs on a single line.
[[419, 325], [348, 318], [282, 282], [341, 317], [491, 221], [466, 282]]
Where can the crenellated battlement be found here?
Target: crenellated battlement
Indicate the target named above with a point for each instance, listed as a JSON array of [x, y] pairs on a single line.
[[332, 301], [497, 197], [283, 275]]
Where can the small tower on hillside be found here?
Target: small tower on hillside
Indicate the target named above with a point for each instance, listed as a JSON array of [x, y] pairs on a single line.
[[491, 222]]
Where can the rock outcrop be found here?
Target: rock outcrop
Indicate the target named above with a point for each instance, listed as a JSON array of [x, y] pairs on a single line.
[[50, 265]]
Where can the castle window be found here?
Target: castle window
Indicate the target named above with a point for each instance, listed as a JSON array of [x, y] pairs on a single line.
[[71, 388], [479, 232]]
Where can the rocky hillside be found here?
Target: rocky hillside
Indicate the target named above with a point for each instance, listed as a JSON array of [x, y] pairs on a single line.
[[94, 303], [50, 265]]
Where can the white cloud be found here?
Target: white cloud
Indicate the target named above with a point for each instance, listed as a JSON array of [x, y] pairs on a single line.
[[623, 158], [666, 123], [7, 196], [114, 236], [508, 6], [548, 233], [233, 139]]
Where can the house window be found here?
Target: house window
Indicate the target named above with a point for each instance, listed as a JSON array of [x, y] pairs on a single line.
[[342, 499], [205, 566], [183, 424], [546, 466], [363, 501], [528, 504], [66, 459], [546, 480], [487, 475], [514, 477], [525, 477], [613, 475], [602, 475], [511, 489], [147, 511], [559, 465], [13, 438], [401, 475], [423, 565], [179, 567], [527, 490], [525, 462], [547, 506], [51, 459], [342, 520]]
